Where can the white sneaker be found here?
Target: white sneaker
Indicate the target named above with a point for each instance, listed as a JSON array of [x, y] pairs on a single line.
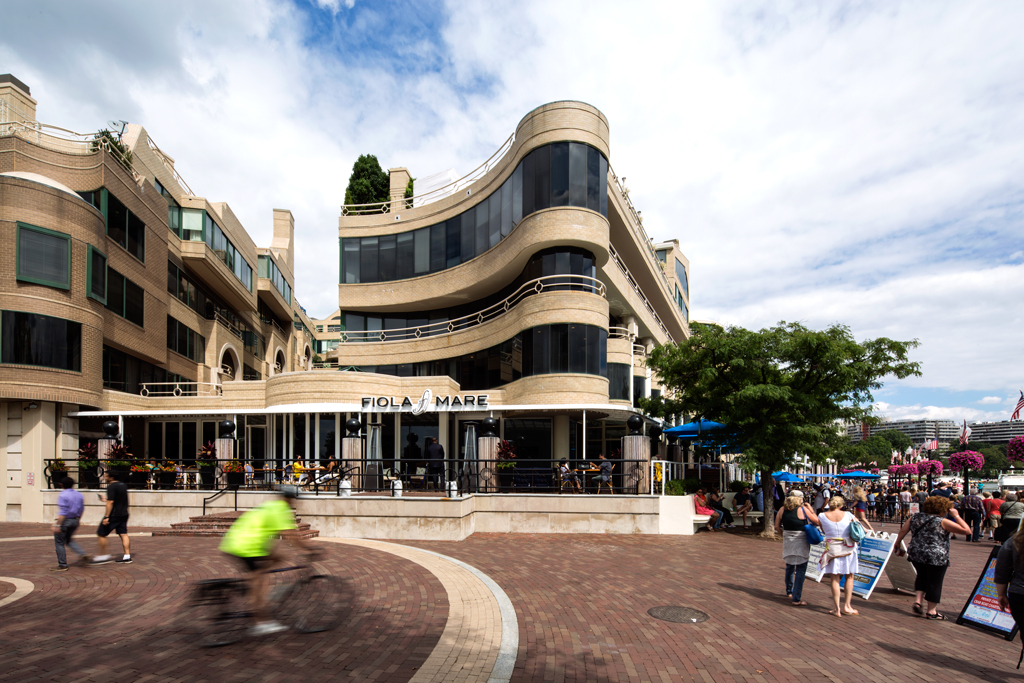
[[267, 628]]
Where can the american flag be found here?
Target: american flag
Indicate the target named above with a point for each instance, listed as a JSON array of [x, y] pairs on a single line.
[[965, 435], [1020, 404], [932, 445]]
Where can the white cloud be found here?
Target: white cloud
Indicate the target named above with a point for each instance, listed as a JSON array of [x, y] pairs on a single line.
[[855, 163], [926, 412], [990, 400]]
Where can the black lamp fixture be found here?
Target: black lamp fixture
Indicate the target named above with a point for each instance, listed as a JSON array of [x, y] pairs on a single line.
[[32, 406]]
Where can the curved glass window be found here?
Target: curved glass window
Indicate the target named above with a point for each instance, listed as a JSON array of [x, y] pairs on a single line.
[[618, 381], [563, 347], [33, 339], [568, 261], [559, 174]]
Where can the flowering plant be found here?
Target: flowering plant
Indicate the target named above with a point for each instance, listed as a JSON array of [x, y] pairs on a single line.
[[58, 465], [88, 452], [234, 466], [1015, 449], [874, 470], [167, 466], [140, 468], [929, 467], [207, 454], [970, 460], [506, 455]]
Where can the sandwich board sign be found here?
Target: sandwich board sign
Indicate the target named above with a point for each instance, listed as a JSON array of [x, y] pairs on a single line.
[[982, 608], [873, 553], [901, 574]]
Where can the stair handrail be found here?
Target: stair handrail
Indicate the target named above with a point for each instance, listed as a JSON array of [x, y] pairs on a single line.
[[218, 495]]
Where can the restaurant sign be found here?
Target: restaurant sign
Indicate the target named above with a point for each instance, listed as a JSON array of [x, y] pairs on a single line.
[[426, 403]]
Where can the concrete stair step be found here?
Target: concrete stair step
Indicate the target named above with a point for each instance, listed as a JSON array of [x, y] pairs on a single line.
[[217, 524]]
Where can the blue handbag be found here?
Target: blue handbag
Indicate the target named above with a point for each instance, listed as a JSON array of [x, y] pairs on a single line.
[[814, 536], [856, 531]]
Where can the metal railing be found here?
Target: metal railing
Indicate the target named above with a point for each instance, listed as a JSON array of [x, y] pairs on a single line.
[[637, 227], [168, 165], [621, 333], [439, 193], [180, 389], [548, 283], [661, 472], [639, 292]]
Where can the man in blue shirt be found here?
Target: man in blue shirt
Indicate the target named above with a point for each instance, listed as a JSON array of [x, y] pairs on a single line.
[[942, 489], [70, 506]]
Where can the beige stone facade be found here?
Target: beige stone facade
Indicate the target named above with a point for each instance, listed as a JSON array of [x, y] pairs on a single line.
[[528, 292]]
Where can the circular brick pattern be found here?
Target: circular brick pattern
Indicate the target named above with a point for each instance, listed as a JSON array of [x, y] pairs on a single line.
[[119, 622], [679, 615], [6, 589]]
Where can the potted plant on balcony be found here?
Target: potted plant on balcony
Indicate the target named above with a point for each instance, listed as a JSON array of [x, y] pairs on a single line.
[[87, 462], [234, 472], [167, 474], [207, 462], [55, 471], [506, 465], [119, 461], [138, 474]]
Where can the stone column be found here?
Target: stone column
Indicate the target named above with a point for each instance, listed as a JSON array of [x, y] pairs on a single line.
[[399, 180], [636, 447], [103, 446], [226, 450], [352, 447]]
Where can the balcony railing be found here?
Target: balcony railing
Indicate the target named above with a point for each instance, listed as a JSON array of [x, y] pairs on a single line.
[[180, 389], [637, 226], [548, 283], [639, 292], [434, 195], [621, 333]]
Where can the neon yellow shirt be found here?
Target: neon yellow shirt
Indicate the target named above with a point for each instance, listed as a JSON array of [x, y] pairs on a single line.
[[253, 534]]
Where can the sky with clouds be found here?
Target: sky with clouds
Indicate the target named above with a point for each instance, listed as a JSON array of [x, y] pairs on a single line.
[[853, 162]]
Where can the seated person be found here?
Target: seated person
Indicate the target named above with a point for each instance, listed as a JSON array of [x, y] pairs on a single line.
[[717, 502], [605, 476], [330, 470], [743, 503], [299, 474], [568, 474], [700, 506]]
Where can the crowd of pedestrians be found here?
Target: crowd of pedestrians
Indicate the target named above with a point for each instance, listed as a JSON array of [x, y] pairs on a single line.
[[71, 507]]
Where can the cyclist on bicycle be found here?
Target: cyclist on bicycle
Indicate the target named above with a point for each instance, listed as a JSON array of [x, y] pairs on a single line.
[[252, 540]]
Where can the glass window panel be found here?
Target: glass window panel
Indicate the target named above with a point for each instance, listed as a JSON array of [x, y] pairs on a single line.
[[192, 225], [172, 278], [558, 351], [136, 237], [602, 351], [404, 256], [325, 445], [97, 274], [593, 351], [155, 448], [115, 292], [517, 195], [188, 440], [468, 236], [44, 257], [31, 339], [368, 261], [437, 247], [506, 208], [172, 333], [603, 186], [618, 381], [350, 247], [542, 177], [453, 241], [354, 322], [117, 220], [529, 184], [181, 341], [681, 276], [134, 303], [639, 386], [541, 345], [578, 348], [494, 209], [482, 218], [593, 171], [299, 435], [421, 240], [560, 174], [577, 174], [172, 444], [387, 258]]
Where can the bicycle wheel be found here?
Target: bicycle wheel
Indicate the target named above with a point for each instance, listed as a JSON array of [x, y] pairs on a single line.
[[313, 605], [219, 612]]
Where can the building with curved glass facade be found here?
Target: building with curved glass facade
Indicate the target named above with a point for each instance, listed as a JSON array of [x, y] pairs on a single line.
[[527, 291]]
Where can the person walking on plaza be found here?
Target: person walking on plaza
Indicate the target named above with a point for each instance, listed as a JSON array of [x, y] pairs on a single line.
[[840, 555], [1010, 515], [115, 518], [930, 530], [70, 506], [790, 520], [992, 502], [1009, 580], [860, 507], [973, 511]]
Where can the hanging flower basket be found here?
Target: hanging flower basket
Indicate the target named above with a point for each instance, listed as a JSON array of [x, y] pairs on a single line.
[[970, 460], [929, 467], [1015, 449]]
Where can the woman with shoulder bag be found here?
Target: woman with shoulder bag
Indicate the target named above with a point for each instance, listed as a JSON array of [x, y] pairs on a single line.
[[930, 530], [1010, 514], [840, 556], [791, 520]]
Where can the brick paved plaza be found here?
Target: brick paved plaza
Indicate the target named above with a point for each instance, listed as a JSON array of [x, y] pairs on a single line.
[[580, 601]]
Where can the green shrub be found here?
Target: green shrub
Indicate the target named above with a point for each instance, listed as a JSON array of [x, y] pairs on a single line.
[[737, 485], [691, 484], [674, 487]]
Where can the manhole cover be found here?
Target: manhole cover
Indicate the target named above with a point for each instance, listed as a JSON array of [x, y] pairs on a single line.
[[679, 615]]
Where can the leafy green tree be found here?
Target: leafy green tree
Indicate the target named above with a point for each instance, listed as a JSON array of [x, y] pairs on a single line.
[[369, 183], [780, 391], [897, 440]]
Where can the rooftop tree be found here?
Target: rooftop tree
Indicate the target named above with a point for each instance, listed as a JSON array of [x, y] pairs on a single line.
[[369, 183], [783, 392]]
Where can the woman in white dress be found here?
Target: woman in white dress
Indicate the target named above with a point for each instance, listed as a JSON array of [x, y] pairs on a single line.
[[840, 556]]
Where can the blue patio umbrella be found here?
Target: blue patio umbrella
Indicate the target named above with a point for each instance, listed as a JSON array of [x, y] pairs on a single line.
[[691, 429], [858, 474], [786, 476]]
